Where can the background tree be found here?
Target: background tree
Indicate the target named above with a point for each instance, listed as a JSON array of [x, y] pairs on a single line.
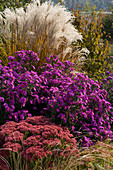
[[100, 4], [12, 3]]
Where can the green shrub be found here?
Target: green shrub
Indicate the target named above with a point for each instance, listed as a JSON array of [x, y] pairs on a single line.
[[90, 25], [107, 22]]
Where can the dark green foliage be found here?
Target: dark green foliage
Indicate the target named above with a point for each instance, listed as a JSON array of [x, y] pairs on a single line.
[[107, 22]]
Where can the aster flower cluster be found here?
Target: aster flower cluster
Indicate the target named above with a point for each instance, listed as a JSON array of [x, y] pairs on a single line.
[[16, 82], [36, 138], [77, 102]]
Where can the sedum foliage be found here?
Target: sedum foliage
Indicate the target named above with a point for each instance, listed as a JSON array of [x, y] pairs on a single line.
[[90, 26]]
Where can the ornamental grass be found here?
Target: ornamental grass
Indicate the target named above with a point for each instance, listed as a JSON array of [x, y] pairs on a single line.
[[43, 28]]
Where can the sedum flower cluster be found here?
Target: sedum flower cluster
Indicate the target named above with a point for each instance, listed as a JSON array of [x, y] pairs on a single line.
[[77, 102], [36, 138]]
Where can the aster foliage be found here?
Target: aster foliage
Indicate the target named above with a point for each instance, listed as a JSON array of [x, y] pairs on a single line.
[[107, 84], [37, 138], [77, 102]]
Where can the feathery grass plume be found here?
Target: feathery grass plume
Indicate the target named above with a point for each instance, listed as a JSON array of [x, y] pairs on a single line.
[[43, 28]]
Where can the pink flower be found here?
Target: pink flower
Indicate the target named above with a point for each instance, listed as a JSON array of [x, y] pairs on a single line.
[[14, 146], [14, 137], [36, 138]]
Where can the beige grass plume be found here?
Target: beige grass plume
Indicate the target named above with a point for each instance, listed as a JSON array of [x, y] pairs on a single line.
[[45, 29]]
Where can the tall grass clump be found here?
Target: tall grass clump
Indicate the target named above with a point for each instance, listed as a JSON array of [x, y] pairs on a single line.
[[90, 25], [98, 156], [44, 28]]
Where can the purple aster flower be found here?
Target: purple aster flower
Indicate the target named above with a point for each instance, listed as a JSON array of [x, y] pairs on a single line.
[[63, 117], [11, 58], [107, 72], [29, 115], [73, 128], [1, 99], [23, 101], [110, 77], [57, 110], [22, 117]]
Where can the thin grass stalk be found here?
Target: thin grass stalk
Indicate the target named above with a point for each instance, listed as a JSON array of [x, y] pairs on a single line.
[[5, 161]]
